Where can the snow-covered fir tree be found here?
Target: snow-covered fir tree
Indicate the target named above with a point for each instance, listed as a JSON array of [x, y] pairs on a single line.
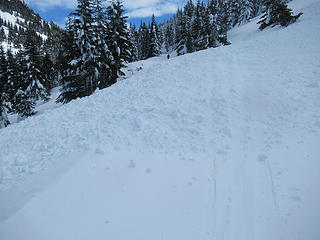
[[69, 77], [102, 33], [206, 27], [80, 76], [33, 77], [213, 23], [224, 22], [134, 36], [24, 106], [276, 12], [143, 41], [234, 11], [14, 78], [169, 36], [119, 37], [189, 11], [4, 97], [246, 11], [181, 34], [196, 29], [154, 41]]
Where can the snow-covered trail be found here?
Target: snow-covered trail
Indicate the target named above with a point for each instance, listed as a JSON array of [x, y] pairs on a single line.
[[219, 144]]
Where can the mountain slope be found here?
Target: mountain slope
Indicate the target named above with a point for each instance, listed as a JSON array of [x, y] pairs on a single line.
[[219, 144], [16, 19]]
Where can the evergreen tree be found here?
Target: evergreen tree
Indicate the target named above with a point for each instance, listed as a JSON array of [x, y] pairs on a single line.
[[154, 43], [181, 34], [48, 72], [14, 88], [69, 77], [134, 36], [234, 8], [13, 78], [24, 106], [213, 24], [196, 29], [119, 37], [4, 98], [105, 57], [206, 28], [224, 22], [276, 12], [86, 63], [2, 34], [169, 37], [32, 72], [257, 6], [80, 76], [246, 11], [143, 40], [189, 10]]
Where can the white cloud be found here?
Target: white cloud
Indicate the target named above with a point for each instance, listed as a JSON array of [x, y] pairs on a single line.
[[43, 5], [135, 8], [145, 8]]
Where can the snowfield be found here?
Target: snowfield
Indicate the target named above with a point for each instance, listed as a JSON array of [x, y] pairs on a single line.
[[219, 144]]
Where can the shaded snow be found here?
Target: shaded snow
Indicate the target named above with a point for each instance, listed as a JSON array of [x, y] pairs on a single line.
[[9, 17], [219, 144]]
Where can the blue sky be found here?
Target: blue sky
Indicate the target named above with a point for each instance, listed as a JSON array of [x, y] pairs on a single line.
[[137, 10]]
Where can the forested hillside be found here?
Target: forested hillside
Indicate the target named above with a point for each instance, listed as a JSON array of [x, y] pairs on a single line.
[[17, 20], [97, 44]]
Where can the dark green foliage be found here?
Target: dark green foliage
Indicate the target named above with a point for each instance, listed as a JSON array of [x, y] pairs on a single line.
[[4, 97], [68, 77], [96, 46], [224, 22], [119, 37], [23, 105], [181, 33], [277, 13], [13, 78], [154, 42], [33, 77], [134, 36], [48, 73], [143, 42]]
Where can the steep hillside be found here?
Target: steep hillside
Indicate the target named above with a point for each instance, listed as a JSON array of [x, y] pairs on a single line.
[[219, 144], [16, 19]]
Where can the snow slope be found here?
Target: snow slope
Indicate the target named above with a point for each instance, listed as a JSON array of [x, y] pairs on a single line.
[[219, 144]]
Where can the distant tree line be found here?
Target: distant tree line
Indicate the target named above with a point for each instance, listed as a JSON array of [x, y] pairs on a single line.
[[97, 43], [205, 25]]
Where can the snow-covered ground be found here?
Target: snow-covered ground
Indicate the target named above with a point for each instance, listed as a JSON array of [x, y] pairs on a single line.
[[219, 144]]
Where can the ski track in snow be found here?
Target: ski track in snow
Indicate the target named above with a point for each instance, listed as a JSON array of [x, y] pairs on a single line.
[[218, 144]]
